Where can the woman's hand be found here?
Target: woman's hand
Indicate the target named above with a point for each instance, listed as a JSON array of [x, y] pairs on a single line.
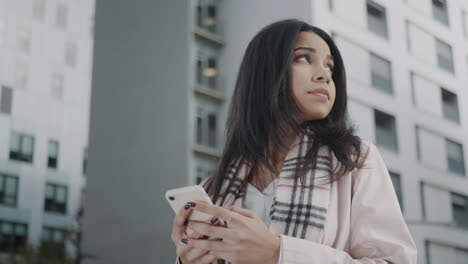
[[245, 240], [187, 253]]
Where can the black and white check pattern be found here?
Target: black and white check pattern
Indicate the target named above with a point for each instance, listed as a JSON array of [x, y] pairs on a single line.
[[298, 210]]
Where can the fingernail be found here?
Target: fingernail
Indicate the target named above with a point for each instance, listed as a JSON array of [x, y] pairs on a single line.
[[214, 220], [191, 204], [184, 240], [186, 223], [186, 207]]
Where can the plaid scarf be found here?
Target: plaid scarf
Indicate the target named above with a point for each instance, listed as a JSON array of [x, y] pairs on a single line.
[[298, 210]]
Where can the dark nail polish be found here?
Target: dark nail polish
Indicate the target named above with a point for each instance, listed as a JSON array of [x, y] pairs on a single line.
[[186, 207], [184, 240], [191, 204], [186, 223], [214, 220]]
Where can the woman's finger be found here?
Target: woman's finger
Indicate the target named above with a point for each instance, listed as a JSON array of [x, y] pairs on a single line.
[[178, 227], [221, 213]]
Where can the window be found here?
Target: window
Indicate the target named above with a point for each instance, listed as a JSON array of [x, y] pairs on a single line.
[[465, 23], [455, 157], [8, 189], [21, 76], [6, 97], [56, 198], [24, 39], [377, 19], [460, 210], [21, 147], [207, 71], [53, 240], [385, 130], [61, 18], [444, 56], [439, 253], [206, 15], [57, 85], [12, 236], [70, 54], [206, 127], [381, 74], [39, 9], [53, 154], [85, 161], [396, 180], [439, 11], [450, 105]]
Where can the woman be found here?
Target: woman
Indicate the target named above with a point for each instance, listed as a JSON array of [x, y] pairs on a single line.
[[294, 184]]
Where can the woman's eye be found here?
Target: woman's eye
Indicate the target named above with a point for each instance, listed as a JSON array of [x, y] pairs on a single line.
[[303, 58]]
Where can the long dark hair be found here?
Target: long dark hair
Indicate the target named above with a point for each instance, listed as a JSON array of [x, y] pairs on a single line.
[[263, 105]]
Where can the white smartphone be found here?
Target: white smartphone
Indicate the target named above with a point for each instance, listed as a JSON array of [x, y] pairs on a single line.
[[179, 197]]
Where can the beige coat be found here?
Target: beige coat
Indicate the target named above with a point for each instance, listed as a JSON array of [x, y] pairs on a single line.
[[361, 218]]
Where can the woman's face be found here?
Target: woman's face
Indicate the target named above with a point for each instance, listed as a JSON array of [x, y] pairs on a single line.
[[311, 77]]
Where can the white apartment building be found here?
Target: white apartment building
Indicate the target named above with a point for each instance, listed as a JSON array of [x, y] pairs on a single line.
[[45, 84], [162, 82]]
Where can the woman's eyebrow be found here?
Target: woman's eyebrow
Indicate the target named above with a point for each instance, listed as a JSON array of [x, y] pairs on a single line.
[[313, 50]]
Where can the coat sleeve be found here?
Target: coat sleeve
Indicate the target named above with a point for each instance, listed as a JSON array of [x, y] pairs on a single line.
[[378, 231]]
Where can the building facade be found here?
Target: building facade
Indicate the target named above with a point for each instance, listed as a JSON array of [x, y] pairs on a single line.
[[174, 66], [45, 73]]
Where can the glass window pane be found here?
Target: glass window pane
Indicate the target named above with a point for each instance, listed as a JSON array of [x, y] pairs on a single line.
[[381, 73], [385, 130], [15, 142], [7, 228], [46, 234], [11, 185], [50, 191], [20, 230], [444, 56], [450, 105], [27, 146], [58, 236], [455, 156], [6, 97], [61, 196], [53, 148], [439, 11], [377, 19]]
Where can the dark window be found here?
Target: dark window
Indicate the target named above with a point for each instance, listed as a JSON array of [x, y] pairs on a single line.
[[206, 16], [385, 130], [460, 210], [439, 11], [6, 98], [377, 19], [21, 147], [53, 154], [13, 236], [455, 157], [444, 56], [85, 161], [381, 74], [56, 198], [450, 105], [53, 242], [8, 189], [396, 180], [212, 130]]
